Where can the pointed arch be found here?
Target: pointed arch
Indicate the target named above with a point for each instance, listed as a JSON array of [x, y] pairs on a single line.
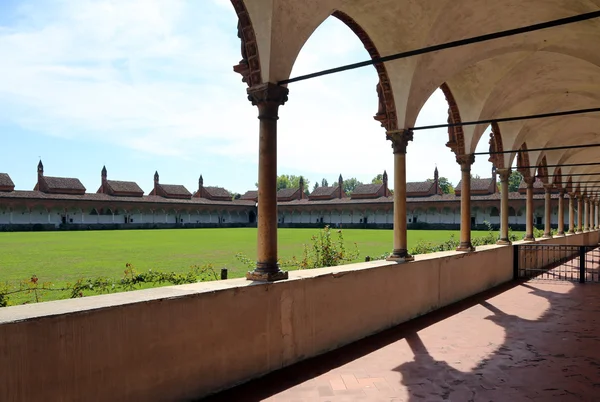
[[456, 135], [542, 170], [249, 67], [496, 146], [386, 113], [557, 179]]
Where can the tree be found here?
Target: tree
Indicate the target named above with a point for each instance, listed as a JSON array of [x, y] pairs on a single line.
[[236, 196], [316, 186], [445, 185], [350, 185], [514, 181], [324, 183], [377, 179], [289, 181]]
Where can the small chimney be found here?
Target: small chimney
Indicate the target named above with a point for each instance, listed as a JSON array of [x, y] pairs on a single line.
[[385, 184], [495, 187], [341, 186], [436, 181], [104, 176], [301, 187], [156, 177], [200, 187], [40, 172]]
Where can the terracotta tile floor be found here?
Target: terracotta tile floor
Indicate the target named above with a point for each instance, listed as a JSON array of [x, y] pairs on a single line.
[[528, 342]]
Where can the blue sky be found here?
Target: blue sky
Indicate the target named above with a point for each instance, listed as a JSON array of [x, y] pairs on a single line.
[[145, 85]]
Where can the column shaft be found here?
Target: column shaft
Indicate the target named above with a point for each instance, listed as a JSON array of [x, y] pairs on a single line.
[[529, 210], [571, 213], [400, 141], [504, 176], [465, 162], [547, 212], [579, 214], [268, 97], [561, 213]]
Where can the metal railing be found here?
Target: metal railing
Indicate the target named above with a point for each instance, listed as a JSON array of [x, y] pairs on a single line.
[[553, 262]]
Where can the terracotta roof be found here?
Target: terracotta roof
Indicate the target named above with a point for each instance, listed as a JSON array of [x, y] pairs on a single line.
[[124, 186], [6, 181], [538, 183], [63, 183], [217, 192], [250, 195], [477, 184], [418, 186], [286, 192], [176, 190], [323, 191], [367, 189]]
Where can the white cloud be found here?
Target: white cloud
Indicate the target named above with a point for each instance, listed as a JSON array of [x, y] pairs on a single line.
[[156, 76]]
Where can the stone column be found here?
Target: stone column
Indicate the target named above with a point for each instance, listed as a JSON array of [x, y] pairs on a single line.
[[268, 97], [547, 211], [529, 209], [504, 176], [596, 220], [579, 213], [586, 214], [561, 213], [465, 162], [571, 213], [400, 139]]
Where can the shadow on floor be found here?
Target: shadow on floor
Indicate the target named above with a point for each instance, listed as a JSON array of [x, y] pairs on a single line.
[[428, 379]]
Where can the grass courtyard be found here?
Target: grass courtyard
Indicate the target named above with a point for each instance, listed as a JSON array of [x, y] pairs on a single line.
[[61, 257]]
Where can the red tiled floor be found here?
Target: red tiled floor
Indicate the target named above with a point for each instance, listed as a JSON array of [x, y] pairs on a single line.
[[529, 342]]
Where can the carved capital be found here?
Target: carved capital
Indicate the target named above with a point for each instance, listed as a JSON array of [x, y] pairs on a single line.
[[400, 139], [268, 97], [504, 174], [465, 161], [529, 181], [548, 187]]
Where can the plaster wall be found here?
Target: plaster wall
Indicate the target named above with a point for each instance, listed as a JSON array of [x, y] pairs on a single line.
[[181, 342]]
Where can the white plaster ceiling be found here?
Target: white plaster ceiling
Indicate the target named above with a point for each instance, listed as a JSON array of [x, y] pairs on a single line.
[[540, 72]]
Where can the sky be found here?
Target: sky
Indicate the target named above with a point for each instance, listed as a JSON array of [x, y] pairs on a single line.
[[147, 85]]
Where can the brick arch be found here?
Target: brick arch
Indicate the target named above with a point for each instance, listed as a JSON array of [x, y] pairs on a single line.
[[542, 170], [456, 135], [558, 179], [249, 67], [523, 160], [496, 146], [386, 114]]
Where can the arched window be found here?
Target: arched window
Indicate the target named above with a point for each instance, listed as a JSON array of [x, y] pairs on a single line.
[[494, 212], [511, 211]]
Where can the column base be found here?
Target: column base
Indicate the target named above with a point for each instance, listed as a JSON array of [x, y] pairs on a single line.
[[571, 232], [504, 242], [263, 274], [400, 256], [547, 236], [465, 246], [529, 238], [560, 234]]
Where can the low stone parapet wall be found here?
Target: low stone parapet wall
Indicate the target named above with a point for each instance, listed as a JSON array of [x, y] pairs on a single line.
[[183, 342]]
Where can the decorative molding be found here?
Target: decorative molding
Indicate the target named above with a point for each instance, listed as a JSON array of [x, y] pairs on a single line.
[[496, 146], [386, 113], [456, 135], [249, 66]]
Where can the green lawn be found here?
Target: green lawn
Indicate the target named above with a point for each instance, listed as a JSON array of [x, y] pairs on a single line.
[[59, 257]]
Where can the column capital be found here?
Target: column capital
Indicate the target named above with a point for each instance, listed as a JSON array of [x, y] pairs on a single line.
[[548, 187], [504, 174], [399, 139], [268, 97], [529, 181], [465, 161]]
